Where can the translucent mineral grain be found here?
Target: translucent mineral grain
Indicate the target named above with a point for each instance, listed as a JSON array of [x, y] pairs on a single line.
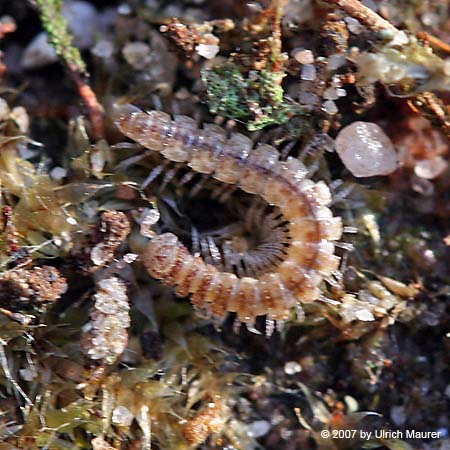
[[430, 168], [103, 49], [292, 367], [122, 416], [336, 61], [308, 72], [150, 219], [304, 56], [365, 150], [258, 428], [330, 107], [208, 51]]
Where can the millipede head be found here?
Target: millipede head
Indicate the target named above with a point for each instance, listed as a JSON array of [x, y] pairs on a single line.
[[122, 112]]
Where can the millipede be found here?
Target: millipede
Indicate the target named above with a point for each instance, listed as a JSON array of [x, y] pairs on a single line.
[[292, 277]]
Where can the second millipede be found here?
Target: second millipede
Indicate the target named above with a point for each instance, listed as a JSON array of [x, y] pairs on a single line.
[[284, 184]]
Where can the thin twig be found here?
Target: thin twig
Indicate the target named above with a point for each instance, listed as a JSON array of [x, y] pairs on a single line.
[[365, 15], [277, 11], [8, 375], [16, 317], [95, 110], [61, 40], [432, 108], [434, 42]]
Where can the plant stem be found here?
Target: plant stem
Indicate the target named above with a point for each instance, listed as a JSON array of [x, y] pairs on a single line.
[[365, 15]]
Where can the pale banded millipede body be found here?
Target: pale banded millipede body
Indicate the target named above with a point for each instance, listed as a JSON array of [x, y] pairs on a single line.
[[308, 258]]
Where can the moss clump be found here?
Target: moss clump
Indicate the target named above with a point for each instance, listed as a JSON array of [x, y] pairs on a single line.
[[255, 98]]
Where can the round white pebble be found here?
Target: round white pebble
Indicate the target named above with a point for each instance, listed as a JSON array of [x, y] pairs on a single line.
[[258, 428], [365, 150], [430, 168], [304, 56]]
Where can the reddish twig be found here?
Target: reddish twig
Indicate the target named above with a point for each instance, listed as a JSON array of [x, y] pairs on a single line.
[[9, 230], [434, 42], [432, 108], [95, 110]]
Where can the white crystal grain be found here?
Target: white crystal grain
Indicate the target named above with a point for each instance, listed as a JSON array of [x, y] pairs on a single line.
[[150, 219], [330, 94], [330, 107], [258, 428], [58, 173], [208, 51], [336, 61], [308, 72], [292, 367], [304, 56], [430, 168], [103, 49], [122, 416], [365, 150], [364, 315]]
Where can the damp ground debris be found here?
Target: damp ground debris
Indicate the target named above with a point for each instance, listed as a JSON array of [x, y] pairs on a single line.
[[348, 101]]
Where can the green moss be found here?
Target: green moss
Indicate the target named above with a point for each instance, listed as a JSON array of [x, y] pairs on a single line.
[[58, 35], [255, 98]]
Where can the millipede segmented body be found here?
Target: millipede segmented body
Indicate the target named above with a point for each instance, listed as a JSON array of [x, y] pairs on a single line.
[[308, 258]]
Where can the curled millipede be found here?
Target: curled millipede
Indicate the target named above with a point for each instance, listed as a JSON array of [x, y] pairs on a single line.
[[250, 248], [308, 258]]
